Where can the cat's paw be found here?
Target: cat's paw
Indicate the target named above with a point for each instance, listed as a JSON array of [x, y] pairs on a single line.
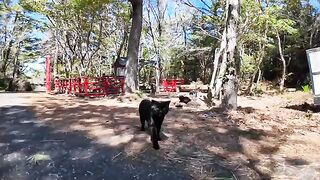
[[156, 147]]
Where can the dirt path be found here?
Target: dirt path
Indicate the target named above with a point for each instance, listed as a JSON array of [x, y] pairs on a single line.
[[268, 137], [30, 148]]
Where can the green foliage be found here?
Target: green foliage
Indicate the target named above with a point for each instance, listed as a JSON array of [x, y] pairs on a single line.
[[248, 66], [17, 43], [306, 88]]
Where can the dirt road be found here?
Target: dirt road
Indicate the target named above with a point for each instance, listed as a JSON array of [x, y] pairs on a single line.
[[61, 137], [31, 149]]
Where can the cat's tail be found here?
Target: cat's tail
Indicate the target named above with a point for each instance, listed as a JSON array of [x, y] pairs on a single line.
[[154, 138]]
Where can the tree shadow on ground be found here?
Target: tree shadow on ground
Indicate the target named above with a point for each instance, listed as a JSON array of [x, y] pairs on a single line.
[[220, 139], [305, 107], [32, 148]]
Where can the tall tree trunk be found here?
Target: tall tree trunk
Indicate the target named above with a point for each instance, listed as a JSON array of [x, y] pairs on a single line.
[[215, 68], [230, 86], [218, 80], [131, 79], [11, 86], [158, 71], [6, 55], [7, 51], [259, 78], [122, 46], [55, 60], [284, 66], [15, 66], [161, 12]]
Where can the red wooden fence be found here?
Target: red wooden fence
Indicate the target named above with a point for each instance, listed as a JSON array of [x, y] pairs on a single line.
[[170, 85], [91, 86], [103, 86]]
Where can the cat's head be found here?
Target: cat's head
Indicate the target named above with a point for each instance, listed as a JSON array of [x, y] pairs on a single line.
[[161, 107]]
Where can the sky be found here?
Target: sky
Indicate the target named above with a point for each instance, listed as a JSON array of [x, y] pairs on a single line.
[[315, 3]]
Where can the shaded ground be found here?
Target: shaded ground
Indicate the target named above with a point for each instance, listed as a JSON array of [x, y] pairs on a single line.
[[31, 148], [265, 139]]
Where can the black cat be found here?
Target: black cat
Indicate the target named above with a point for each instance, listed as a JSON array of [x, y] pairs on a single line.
[[153, 112], [184, 99]]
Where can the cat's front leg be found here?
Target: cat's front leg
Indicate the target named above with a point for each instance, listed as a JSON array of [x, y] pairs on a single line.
[[149, 123], [158, 131], [154, 138], [142, 123]]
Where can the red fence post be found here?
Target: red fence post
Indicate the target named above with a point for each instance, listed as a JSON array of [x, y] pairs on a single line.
[[174, 85], [165, 84], [116, 85], [86, 85], [60, 85], [56, 85], [107, 86], [122, 79], [63, 85], [70, 86], [48, 73], [79, 85]]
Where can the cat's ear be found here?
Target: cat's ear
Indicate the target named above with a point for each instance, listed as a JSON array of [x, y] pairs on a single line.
[[167, 103]]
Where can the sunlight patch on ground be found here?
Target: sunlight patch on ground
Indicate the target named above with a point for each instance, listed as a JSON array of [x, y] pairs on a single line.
[[127, 115], [88, 120], [221, 130], [115, 140], [141, 136], [16, 132], [216, 150], [78, 127], [284, 170], [47, 119], [249, 147], [16, 141], [101, 132], [28, 121], [135, 147], [295, 146], [177, 126], [13, 157], [123, 127], [82, 153], [4, 144]]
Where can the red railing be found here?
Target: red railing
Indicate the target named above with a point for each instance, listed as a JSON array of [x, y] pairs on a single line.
[[170, 85], [91, 86]]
